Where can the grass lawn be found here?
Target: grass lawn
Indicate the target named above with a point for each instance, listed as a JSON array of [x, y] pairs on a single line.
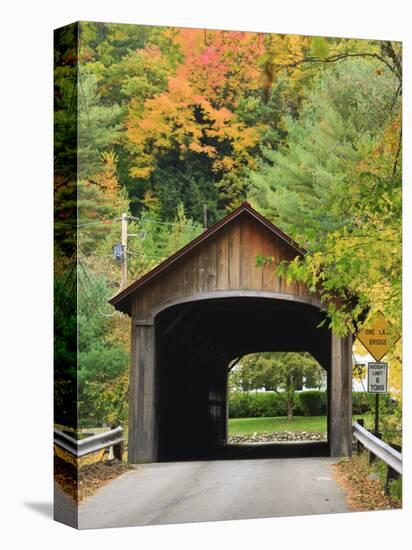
[[280, 424]]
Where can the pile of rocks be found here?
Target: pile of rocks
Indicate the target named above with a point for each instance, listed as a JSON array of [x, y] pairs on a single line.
[[275, 437]]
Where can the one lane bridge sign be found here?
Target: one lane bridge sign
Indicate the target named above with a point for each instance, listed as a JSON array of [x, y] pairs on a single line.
[[377, 377], [378, 337]]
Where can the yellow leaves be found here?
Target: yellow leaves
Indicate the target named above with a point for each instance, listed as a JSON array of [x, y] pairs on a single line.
[[359, 371], [142, 172], [195, 115], [106, 179], [167, 118], [285, 50], [198, 148], [227, 163], [186, 121], [296, 44]]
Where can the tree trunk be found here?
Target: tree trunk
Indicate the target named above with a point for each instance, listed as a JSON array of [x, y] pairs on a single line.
[[290, 409]]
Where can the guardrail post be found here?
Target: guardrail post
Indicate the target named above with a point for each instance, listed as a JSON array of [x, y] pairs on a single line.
[[118, 451], [372, 457], [117, 448], [390, 475]]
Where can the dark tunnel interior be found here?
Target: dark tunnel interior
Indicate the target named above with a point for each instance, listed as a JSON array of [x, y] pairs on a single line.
[[195, 343]]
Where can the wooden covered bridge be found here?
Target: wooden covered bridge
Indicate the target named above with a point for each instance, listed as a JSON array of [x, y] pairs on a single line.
[[199, 310]]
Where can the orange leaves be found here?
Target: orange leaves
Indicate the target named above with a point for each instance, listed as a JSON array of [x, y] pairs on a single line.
[[207, 149], [186, 121], [196, 114]]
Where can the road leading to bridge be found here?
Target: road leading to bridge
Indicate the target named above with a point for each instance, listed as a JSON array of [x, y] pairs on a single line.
[[179, 492]]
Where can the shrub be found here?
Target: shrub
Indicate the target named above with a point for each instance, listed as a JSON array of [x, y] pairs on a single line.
[[260, 404], [307, 403], [312, 402], [361, 402], [255, 404]]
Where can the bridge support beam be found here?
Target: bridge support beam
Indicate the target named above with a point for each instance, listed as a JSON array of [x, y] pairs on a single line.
[[340, 393], [143, 422]]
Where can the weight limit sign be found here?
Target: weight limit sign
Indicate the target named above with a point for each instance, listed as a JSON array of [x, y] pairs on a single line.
[[377, 377]]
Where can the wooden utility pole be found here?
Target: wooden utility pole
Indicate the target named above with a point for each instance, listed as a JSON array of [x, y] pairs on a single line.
[[205, 216], [123, 266]]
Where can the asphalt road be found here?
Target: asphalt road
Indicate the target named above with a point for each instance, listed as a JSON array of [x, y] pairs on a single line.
[[180, 492]]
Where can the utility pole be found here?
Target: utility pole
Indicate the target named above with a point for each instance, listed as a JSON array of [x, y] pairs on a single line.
[[205, 215], [123, 265]]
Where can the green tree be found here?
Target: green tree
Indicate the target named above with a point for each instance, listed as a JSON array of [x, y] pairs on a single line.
[[65, 337], [102, 362], [336, 188], [99, 125], [283, 373]]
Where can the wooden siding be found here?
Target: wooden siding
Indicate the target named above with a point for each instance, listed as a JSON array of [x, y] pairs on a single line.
[[225, 262]]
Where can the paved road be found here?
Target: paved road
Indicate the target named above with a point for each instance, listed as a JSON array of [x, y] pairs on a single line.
[[64, 510], [215, 490]]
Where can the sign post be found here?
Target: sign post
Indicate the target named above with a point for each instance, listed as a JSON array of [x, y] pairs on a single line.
[[377, 384], [378, 337]]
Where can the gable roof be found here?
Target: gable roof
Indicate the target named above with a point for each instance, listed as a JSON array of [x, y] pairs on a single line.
[[121, 300]]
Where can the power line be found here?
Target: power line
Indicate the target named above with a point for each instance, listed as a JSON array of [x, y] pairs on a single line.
[[143, 255], [133, 218], [106, 222], [63, 293], [96, 291]]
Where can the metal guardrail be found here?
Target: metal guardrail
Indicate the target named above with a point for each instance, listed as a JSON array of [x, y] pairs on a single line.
[[379, 448], [82, 447]]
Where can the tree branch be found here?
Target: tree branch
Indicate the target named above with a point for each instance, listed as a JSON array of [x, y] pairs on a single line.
[[398, 152], [339, 57]]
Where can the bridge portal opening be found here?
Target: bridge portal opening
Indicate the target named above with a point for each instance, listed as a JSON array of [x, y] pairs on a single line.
[[276, 397], [197, 343]]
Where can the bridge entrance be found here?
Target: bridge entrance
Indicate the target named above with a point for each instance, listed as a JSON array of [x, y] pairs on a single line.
[[201, 309]]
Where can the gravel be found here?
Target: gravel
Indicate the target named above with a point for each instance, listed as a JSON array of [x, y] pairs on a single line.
[[274, 437]]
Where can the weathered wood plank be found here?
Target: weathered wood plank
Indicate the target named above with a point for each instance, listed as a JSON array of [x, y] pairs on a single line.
[[269, 250], [133, 393], [188, 275], [142, 397], [210, 263], [256, 249], [341, 397], [226, 262], [234, 256], [223, 261], [245, 254]]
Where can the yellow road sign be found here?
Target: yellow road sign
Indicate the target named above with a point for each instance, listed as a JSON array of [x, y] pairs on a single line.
[[378, 336]]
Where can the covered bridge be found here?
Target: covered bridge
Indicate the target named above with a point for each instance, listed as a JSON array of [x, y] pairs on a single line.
[[199, 310]]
